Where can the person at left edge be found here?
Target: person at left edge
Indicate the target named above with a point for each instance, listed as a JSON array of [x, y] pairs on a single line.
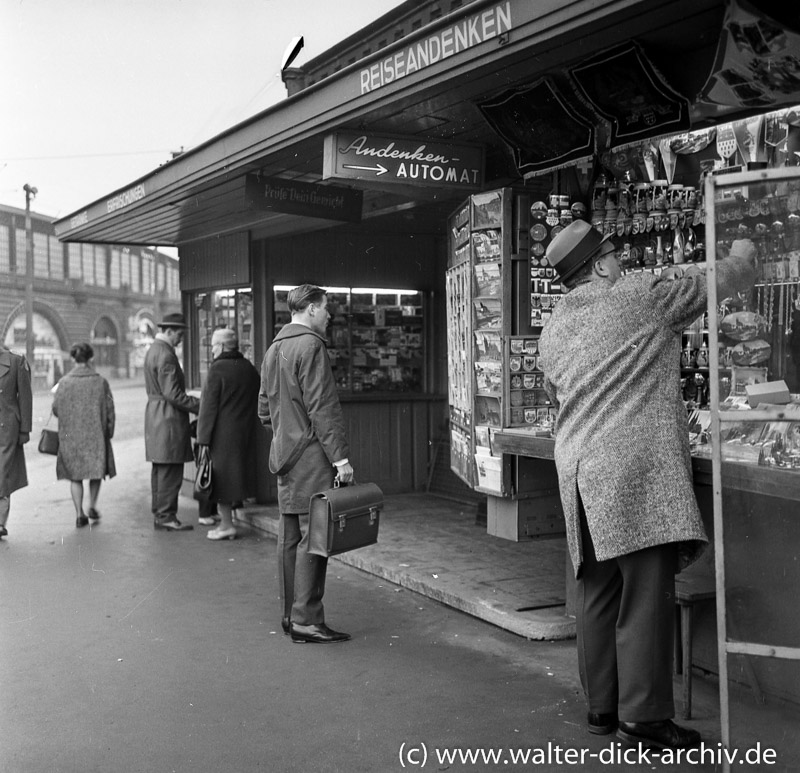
[[16, 418], [166, 422]]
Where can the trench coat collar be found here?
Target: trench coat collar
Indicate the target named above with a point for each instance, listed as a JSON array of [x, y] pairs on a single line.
[[295, 329]]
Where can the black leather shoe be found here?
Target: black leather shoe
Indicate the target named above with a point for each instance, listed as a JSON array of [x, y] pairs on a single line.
[[602, 724], [81, 520], [173, 525], [316, 634], [3, 531], [286, 625], [658, 735], [93, 514]]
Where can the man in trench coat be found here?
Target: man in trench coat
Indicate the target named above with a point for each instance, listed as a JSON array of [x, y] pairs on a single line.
[[611, 359], [166, 422], [16, 414], [299, 403]]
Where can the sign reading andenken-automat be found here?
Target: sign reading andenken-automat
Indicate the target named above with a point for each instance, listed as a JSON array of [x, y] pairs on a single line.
[[409, 160]]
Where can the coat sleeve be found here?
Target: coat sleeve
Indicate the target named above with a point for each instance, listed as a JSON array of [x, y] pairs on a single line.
[[209, 407], [683, 300], [25, 396], [172, 390], [322, 402], [263, 397], [111, 416]]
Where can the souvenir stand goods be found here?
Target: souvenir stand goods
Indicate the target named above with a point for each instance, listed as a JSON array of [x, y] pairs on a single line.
[[498, 297], [755, 444]]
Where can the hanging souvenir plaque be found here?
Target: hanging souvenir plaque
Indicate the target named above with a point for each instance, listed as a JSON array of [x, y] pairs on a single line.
[[756, 63], [542, 130], [623, 86]]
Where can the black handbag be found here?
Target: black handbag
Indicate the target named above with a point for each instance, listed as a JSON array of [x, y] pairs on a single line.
[[202, 478], [345, 517], [48, 442]]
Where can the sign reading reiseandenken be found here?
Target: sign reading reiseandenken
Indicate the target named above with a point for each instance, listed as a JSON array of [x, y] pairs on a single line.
[[470, 31], [409, 160], [332, 202]]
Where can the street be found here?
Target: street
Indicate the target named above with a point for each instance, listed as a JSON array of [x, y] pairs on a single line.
[[124, 649]]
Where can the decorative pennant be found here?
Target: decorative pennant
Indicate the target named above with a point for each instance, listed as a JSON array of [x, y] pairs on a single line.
[[726, 142], [623, 86], [540, 128], [650, 160], [693, 142], [757, 62], [750, 139], [668, 158]]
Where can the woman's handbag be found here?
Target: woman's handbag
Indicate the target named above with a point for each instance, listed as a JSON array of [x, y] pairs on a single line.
[[48, 442], [344, 518], [202, 478]]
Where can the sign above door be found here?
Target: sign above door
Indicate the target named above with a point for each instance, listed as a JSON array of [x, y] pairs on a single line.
[[407, 160]]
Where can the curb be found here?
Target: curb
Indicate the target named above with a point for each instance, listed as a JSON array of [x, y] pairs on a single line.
[[544, 624]]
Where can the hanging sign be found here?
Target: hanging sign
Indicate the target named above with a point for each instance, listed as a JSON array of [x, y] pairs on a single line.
[[292, 197], [757, 63], [623, 86], [542, 130], [408, 160]]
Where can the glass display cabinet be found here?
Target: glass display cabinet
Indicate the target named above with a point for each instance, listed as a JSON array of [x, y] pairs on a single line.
[[375, 337], [754, 348], [224, 308]]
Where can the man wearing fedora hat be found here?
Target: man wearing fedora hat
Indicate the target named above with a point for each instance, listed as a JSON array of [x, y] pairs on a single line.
[[166, 422], [611, 359]]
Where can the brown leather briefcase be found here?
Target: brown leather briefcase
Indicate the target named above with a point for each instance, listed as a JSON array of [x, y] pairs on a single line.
[[344, 518]]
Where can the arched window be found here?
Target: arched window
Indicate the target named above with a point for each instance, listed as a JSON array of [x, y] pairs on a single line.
[[104, 342]]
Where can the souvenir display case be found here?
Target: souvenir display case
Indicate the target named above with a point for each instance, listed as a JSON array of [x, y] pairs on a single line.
[[478, 323], [495, 312], [755, 440], [376, 337]]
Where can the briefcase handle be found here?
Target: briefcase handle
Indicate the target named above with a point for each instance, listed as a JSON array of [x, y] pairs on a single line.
[[338, 484]]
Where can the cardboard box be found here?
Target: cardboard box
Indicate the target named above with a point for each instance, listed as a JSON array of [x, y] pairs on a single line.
[[520, 519], [771, 392]]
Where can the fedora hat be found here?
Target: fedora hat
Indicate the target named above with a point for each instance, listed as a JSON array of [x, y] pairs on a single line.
[[573, 247], [173, 320]]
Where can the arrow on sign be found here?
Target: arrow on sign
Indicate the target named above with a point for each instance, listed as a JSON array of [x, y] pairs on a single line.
[[380, 169]]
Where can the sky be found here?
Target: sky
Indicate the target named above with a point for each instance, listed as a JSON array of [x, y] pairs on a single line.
[[97, 93]]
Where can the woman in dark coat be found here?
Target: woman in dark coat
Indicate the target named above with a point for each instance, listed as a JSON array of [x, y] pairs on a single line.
[[227, 424], [85, 410]]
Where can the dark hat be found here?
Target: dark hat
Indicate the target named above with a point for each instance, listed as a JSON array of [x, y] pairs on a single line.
[[173, 320], [573, 247]]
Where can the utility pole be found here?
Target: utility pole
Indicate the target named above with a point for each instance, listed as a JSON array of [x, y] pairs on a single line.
[[30, 192]]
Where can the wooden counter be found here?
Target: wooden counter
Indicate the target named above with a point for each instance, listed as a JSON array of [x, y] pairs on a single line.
[[739, 476]]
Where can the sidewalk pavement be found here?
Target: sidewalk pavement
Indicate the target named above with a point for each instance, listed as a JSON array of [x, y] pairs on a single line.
[[435, 547]]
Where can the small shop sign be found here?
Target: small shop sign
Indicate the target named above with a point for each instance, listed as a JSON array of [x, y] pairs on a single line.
[[406, 160], [292, 197]]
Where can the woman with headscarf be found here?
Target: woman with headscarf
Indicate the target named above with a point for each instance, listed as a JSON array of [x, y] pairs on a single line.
[[227, 424]]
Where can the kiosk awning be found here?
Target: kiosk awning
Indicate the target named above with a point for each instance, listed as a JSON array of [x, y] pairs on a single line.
[[426, 85]]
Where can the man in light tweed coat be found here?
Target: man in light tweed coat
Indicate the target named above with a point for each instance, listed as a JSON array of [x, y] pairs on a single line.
[[611, 358]]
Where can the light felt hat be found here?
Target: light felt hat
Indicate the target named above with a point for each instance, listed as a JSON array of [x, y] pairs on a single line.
[[573, 247]]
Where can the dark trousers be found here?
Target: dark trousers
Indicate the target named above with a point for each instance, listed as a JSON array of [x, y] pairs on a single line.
[[301, 575], [625, 627], [165, 483]]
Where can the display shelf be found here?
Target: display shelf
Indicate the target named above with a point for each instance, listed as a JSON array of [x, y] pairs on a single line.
[[376, 338]]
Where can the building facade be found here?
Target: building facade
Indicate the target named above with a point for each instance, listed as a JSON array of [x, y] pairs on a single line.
[[110, 296]]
